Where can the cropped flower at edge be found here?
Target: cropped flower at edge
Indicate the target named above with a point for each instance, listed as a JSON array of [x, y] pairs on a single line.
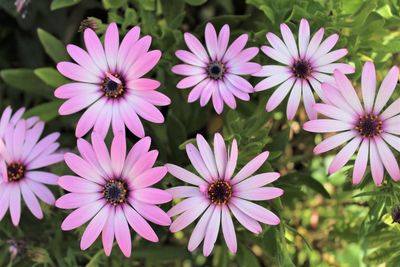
[[113, 192], [109, 84], [215, 73], [217, 193], [304, 67], [22, 154], [371, 129]]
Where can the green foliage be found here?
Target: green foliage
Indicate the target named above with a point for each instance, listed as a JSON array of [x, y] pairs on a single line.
[[326, 221]]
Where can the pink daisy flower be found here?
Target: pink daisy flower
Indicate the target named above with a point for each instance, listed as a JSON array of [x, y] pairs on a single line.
[[304, 67], [113, 192], [217, 73], [371, 129], [217, 194], [22, 154], [109, 83]]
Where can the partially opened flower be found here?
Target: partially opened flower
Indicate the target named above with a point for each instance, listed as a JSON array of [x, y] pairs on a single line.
[[22, 154], [109, 83], [305, 67], [217, 73], [113, 192], [370, 129], [216, 194]]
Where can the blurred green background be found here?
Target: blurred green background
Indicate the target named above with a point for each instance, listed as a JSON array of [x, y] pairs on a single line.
[[325, 220]]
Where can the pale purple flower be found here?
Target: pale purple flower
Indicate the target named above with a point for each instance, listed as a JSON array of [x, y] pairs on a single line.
[[305, 67], [22, 154], [113, 191], [216, 194], [215, 73], [109, 83], [370, 129]]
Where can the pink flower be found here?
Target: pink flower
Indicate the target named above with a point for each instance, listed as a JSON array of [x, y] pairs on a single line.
[[218, 193], [217, 73], [113, 192], [109, 83], [304, 67], [370, 129], [21, 155]]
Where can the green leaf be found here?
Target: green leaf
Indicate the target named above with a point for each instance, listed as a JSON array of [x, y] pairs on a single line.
[[306, 180], [246, 258], [53, 47], [148, 5], [115, 4], [51, 76], [57, 4], [26, 80], [46, 112], [195, 2]]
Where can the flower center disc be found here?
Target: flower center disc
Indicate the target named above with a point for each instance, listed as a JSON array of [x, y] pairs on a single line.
[[215, 70], [369, 126], [15, 171], [301, 69], [115, 192], [111, 88], [219, 192]]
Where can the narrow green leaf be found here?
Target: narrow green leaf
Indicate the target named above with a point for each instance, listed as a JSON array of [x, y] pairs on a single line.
[[51, 76], [46, 112], [57, 4], [53, 47], [195, 2]]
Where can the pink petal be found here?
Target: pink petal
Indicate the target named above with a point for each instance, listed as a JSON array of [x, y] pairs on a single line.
[[270, 70], [185, 175], [347, 90], [197, 90], [150, 177], [184, 191], [45, 160], [360, 164], [108, 232], [390, 162], [186, 205], [41, 191], [376, 163], [82, 168], [82, 215], [151, 213], [212, 231], [76, 200], [326, 126], [262, 193], [196, 47], [70, 90], [145, 162], [326, 46], [211, 41], [78, 103], [223, 40], [335, 113], [15, 204], [139, 224], [136, 51], [207, 92], [235, 48], [31, 201], [257, 181], [95, 227], [42, 177], [244, 56], [118, 153], [95, 49], [78, 185], [131, 119], [239, 82], [207, 155], [279, 94], [82, 58], [226, 95], [272, 81], [392, 110], [4, 200], [153, 97], [191, 81], [127, 43], [251, 167], [335, 98], [228, 230], [278, 44], [220, 154], [101, 152], [217, 100], [200, 230], [122, 233], [245, 68], [392, 140], [288, 38], [304, 37], [368, 86], [334, 141], [294, 100], [188, 70], [198, 162], [188, 217], [256, 211], [232, 160], [330, 57], [152, 195], [386, 89], [344, 155], [330, 68], [139, 149], [190, 58], [144, 64], [146, 110], [247, 222], [18, 139], [77, 73], [89, 117], [111, 45], [392, 125], [309, 101], [143, 84]]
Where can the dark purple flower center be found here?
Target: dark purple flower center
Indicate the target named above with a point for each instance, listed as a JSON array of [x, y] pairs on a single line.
[[302, 68], [216, 70], [369, 126], [15, 171], [115, 191], [111, 88], [219, 192]]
